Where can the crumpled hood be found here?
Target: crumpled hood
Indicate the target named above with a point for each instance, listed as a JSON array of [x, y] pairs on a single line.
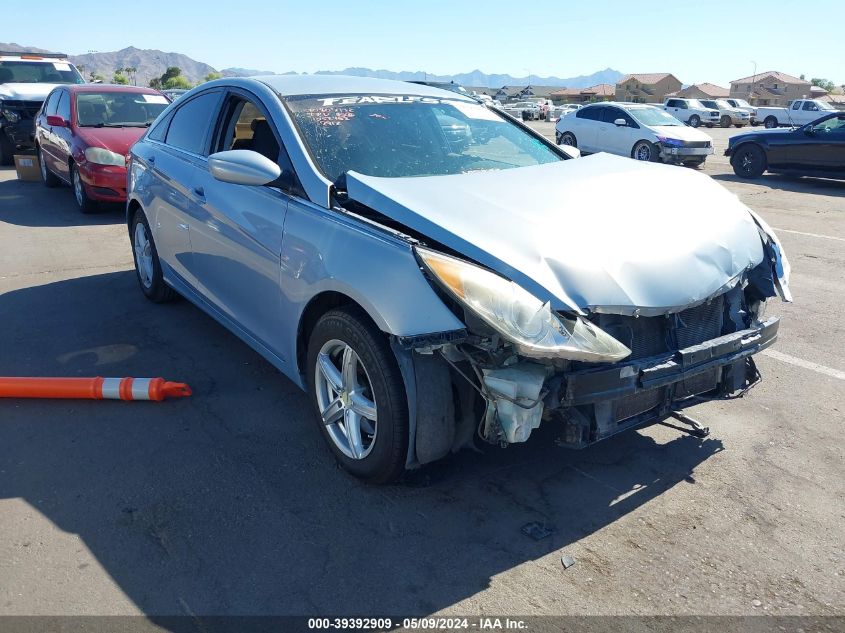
[[26, 92], [602, 233]]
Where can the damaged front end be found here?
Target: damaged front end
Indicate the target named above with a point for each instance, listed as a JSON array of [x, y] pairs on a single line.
[[596, 373]]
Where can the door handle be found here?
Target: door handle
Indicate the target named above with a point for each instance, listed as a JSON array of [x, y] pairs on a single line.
[[199, 192]]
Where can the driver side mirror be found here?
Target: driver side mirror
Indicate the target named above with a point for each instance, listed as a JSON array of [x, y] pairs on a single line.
[[54, 120], [809, 131], [243, 167], [620, 122]]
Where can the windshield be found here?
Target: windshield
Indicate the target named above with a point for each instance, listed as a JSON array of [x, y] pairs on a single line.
[[711, 104], [399, 136], [695, 103], [653, 116], [118, 109], [15, 72], [723, 104], [741, 103]]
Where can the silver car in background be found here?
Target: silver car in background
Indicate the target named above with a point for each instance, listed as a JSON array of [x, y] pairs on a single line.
[[431, 271]]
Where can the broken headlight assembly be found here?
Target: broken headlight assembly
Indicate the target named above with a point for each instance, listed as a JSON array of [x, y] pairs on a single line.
[[520, 317]]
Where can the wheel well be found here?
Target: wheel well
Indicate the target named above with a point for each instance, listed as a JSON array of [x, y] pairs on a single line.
[[316, 308], [131, 208]]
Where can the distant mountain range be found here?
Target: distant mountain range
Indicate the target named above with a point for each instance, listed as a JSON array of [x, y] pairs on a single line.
[[152, 63]]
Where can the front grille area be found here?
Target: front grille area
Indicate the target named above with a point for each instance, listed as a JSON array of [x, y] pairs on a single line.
[[653, 336], [697, 144], [629, 406], [27, 109]]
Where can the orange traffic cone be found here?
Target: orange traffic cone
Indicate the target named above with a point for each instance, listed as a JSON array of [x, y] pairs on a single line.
[[93, 388]]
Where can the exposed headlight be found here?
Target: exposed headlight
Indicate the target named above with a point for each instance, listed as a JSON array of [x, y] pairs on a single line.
[[670, 142], [10, 115], [519, 316], [102, 156]]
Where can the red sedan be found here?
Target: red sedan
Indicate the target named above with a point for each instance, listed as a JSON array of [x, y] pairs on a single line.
[[83, 133]]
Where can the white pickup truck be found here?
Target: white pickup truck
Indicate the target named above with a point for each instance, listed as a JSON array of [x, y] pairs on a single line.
[[691, 111], [799, 112]]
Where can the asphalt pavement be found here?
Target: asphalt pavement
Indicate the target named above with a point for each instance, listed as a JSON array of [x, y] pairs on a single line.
[[229, 502]]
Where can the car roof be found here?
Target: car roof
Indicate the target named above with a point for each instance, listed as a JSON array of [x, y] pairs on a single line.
[[620, 104], [297, 85], [109, 88]]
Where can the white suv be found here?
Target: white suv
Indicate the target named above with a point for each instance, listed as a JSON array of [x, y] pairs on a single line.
[[691, 111], [641, 131]]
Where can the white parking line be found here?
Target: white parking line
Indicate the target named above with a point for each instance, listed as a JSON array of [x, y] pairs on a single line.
[[800, 362], [824, 237]]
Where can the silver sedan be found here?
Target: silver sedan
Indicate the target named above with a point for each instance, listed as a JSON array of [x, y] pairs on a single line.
[[434, 273]]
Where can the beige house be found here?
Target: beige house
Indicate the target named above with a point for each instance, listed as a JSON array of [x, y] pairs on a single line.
[[703, 91], [646, 87], [599, 92], [770, 88]]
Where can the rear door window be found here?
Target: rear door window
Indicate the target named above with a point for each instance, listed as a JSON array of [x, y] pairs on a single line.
[[63, 107], [52, 102], [591, 114]]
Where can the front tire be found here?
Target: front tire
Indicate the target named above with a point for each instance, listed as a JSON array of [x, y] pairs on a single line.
[[359, 396], [770, 122], [568, 138], [147, 265], [725, 121], [646, 152], [694, 120], [85, 204], [47, 177], [749, 161]]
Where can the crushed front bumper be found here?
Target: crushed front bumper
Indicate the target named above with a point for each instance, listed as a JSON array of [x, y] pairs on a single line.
[[597, 403], [21, 134]]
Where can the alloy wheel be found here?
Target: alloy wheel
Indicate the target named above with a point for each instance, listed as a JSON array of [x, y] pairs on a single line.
[[77, 188], [642, 152], [143, 255], [345, 399]]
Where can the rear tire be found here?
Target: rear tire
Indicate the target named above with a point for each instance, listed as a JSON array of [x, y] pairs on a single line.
[[378, 447], [147, 265], [694, 120], [749, 161], [770, 122], [47, 177], [725, 121]]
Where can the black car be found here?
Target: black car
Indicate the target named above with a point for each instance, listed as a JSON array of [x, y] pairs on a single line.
[[815, 149]]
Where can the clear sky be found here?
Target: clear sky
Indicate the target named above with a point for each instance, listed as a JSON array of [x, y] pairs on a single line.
[[697, 41]]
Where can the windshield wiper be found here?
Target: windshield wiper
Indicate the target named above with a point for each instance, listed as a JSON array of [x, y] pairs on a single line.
[[102, 125]]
